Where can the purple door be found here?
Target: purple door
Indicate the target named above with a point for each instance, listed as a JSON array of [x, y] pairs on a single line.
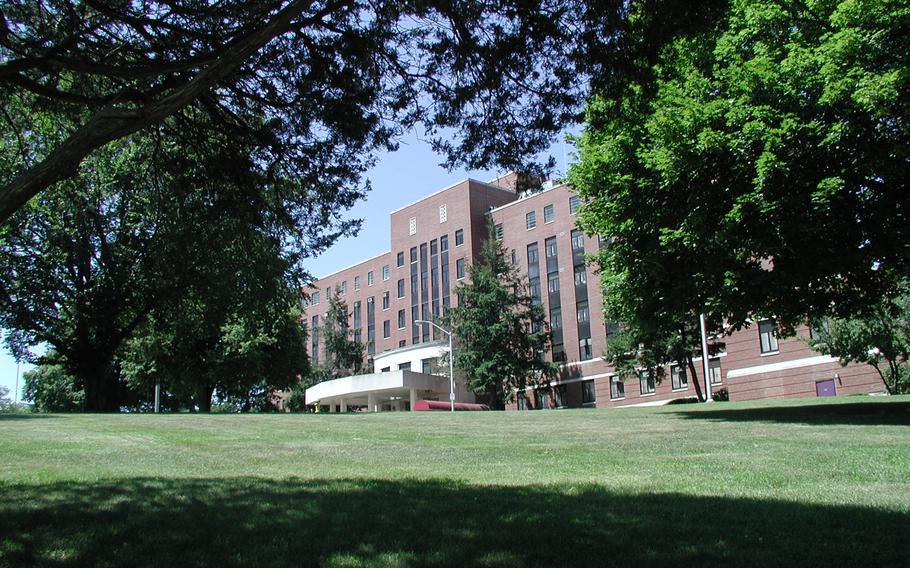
[[825, 388]]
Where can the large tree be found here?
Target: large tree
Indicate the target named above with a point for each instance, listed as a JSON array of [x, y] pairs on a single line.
[[500, 328], [172, 219], [329, 76], [754, 161]]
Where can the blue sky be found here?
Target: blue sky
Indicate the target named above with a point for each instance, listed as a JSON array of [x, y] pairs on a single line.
[[398, 179]]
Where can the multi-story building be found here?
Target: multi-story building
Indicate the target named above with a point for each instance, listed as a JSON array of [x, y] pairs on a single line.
[[434, 240]]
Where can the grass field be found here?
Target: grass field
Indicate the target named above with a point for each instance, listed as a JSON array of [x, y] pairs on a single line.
[[766, 484]]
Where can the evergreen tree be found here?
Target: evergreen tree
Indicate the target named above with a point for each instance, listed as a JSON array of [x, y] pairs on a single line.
[[343, 355], [500, 329]]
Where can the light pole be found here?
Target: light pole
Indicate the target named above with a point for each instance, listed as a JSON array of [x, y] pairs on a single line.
[[451, 368]]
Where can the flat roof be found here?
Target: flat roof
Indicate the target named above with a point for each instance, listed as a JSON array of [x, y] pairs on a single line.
[[526, 197]]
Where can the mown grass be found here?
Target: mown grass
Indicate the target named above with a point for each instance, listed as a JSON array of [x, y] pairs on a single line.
[[795, 483]]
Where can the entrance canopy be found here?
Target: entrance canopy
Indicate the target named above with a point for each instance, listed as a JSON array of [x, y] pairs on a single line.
[[392, 390]]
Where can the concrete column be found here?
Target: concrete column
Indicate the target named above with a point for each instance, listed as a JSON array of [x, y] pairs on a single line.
[[342, 407], [371, 402], [413, 399]]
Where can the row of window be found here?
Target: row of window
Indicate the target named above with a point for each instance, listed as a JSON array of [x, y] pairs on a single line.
[[386, 272], [549, 215]]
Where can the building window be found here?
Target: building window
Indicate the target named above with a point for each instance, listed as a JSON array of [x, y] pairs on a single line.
[[459, 269], [386, 273], [401, 319], [315, 298], [679, 378], [588, 393], [581, 275], [767, 336], [459, 237], [562, 397], [444, 243], [617, 388], [443, 213], [543, 399], [385, 369], [414, 254], [497, 232], [714, 371], [404, 366], [646, 382], [531, 219], [401, 287], [402, 343], [426, 366], [344, 287], [385, 300], [556, 318], [578, 241], [585, 352], [370, 278], [386, 329], [399, 259], [356, 283], [573, 204], [553, 283], [551, 248], [559, 353], [412, 226], [548, 214], [583, 313]]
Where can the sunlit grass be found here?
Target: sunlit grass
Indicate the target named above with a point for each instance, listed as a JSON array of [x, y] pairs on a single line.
[[819, 482]]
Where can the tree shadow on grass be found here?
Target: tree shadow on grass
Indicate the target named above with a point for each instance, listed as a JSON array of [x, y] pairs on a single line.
[[850, 413], [358, 522], [12, 416]]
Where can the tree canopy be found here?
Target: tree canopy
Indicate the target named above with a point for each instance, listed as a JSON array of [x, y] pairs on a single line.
[[755, 162], [331, 81], [500, 328]]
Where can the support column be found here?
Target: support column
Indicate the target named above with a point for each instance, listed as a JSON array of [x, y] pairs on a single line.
[[371, 402], [342, 407], [413, 399]]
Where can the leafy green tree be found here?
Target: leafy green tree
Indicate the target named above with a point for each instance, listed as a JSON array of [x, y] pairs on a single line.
[[151, 228], [335, 77], [500, 329], [880, 338], [344, 356], [754, 160], [51, 388]]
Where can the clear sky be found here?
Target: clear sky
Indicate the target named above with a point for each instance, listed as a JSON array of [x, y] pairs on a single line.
[[398, 179]]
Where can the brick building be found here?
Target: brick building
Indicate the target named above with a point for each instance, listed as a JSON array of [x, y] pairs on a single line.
[[435, 239]]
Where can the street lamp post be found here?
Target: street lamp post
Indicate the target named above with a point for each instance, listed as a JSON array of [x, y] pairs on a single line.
[[451, 367]]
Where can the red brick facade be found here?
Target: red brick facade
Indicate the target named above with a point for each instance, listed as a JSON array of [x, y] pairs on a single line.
[[442, 233]]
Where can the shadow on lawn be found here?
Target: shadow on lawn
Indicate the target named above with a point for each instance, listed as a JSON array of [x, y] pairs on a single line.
[[253, 521], [851, 413], [10, 417]]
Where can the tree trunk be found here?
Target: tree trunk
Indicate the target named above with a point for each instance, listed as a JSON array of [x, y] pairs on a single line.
[[102, 391], [691, 365], [205, 398]]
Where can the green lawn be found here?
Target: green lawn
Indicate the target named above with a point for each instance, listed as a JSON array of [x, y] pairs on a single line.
[[785, 483]]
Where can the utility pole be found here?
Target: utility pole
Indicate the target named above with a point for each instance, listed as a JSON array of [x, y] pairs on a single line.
[[704, 357], [451, 363]]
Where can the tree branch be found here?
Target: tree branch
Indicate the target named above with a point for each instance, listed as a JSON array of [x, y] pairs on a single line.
[[111, 123]]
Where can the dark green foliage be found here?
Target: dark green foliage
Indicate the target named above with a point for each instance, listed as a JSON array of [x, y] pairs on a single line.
[[50, 388], [880, 338], [752, 161], [500, 328], [344, 356], [159, 242], [333, 79]]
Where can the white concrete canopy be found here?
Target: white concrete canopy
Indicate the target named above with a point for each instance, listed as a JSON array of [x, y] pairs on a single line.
[[378, 390]]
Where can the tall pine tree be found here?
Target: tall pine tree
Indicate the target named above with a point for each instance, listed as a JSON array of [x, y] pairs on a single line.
[[500, 328]]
